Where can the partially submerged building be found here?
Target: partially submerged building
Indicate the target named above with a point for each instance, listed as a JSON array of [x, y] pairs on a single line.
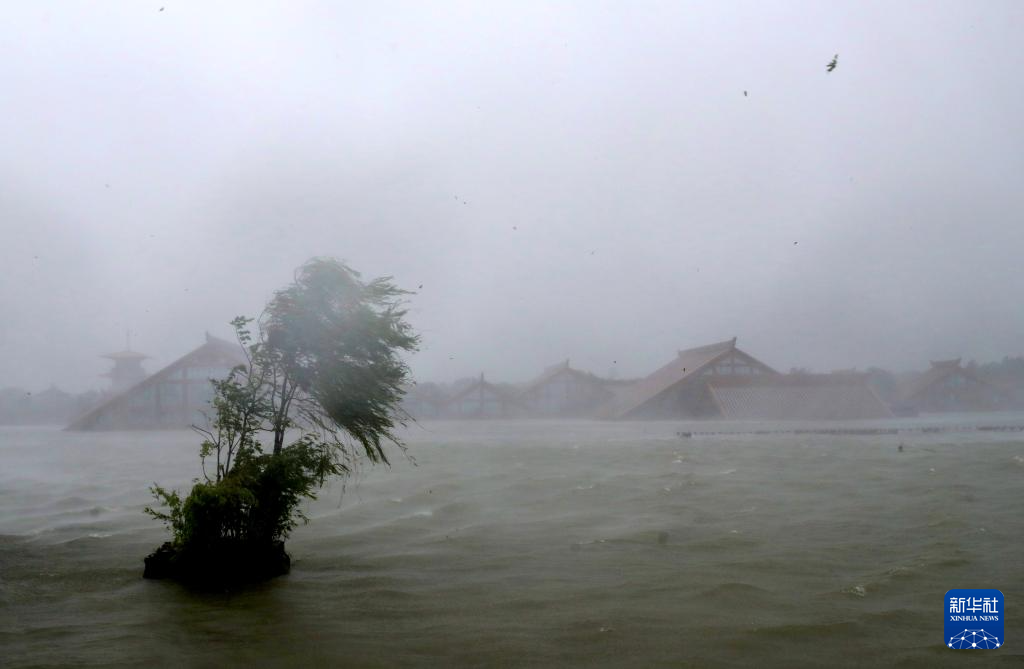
[[843, 396], [679, 389], [949, 386], [175, 397], [722, 381], [562, 391], [483, 400], [424, 401], [52, 406], [127, 370]]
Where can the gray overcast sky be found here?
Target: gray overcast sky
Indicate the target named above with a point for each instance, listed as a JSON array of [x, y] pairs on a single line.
[[581, 179]]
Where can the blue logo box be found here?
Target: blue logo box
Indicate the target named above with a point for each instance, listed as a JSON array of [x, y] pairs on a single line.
[[974, 619]]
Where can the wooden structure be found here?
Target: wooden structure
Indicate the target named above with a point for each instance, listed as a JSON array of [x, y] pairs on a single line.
[[679, 388], [52, 406], [483, 400], [843, 396], [174, 397], [948, 386], [561, 391], [424, 401], [127, 370]]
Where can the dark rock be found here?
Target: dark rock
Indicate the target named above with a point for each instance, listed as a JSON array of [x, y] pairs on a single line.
[[228, 564]]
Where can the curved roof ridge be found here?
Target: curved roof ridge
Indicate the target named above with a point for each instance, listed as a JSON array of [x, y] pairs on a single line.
[[955, 362], [723, 345]]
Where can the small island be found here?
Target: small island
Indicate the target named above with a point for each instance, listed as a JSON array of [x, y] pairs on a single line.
[[319, 391]]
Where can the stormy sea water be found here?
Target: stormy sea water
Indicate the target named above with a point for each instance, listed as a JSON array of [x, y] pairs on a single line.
[[534, 544]]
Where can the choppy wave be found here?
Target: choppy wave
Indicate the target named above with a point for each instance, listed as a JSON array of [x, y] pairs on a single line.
[[528, 544]]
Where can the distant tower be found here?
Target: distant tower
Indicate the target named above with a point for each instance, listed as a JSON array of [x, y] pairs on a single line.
[[127, 370]]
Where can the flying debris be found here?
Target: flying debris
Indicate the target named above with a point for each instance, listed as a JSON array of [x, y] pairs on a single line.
[[832, 64]]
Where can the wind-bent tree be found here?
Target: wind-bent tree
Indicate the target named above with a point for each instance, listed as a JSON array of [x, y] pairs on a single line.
[[319, 392]]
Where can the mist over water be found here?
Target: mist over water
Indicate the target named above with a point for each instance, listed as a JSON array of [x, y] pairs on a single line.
[[837, 185], [532, 543], [597, 181]]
